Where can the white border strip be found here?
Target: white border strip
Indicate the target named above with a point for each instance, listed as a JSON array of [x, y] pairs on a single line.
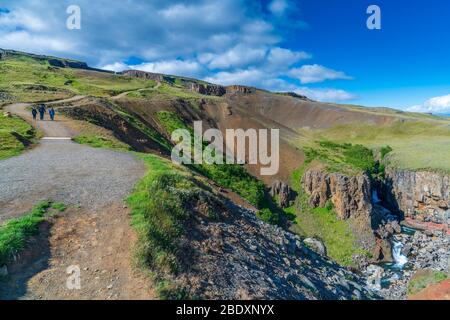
[[56, 138]]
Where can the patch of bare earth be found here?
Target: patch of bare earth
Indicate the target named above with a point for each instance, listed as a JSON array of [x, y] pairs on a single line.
[[439, 291], [99, 243]]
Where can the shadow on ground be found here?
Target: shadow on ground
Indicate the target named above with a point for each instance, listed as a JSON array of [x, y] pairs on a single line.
[[31, 261]]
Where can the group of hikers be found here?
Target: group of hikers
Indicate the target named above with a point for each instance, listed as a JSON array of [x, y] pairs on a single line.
[[42, 110]]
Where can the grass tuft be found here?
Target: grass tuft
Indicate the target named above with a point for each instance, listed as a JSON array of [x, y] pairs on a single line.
[[14, 233]]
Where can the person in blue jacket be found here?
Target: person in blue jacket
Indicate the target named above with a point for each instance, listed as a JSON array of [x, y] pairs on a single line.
[[34, 113], [51, 113], [42, 111]]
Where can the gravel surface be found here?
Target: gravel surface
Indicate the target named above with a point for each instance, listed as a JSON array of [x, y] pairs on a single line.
[[67, 172]]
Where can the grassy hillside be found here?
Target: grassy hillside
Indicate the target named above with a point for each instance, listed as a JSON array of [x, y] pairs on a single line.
[[28, 80], [416, 144], [15, 136]]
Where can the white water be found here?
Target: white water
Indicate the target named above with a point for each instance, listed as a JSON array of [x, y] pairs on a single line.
[[375, 198], [399, 258]]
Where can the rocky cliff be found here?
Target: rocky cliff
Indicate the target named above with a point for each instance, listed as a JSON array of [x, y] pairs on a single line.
[[422, 196], [144, 75], [351, 196], [239, 89], [207, 89], [352, 200]]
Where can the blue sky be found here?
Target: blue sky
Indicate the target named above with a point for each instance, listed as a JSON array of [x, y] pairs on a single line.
[[321, 48]]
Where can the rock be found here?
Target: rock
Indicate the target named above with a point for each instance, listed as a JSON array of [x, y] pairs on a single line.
[[350, 196], [238, 89], [421, 195], [207, 89], [7, 114], [406, 250], [284, 193], [316, 245]]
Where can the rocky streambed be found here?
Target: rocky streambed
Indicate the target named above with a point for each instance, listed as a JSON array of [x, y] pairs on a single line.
[[423, 251]]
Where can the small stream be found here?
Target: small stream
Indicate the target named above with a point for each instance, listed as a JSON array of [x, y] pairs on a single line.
[[393, 270]]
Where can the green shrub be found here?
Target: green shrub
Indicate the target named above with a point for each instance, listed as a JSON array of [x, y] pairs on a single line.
[[384, 151], [268, 216]]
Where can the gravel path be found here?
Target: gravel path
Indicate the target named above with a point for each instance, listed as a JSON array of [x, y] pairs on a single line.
[[64, 171]]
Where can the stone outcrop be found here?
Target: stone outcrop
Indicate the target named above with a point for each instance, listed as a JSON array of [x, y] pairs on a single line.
[[422, 196], [316, 245], [2, 54], [239, 89], [144, 75], [351, 196], [61, 63], [284, 194], [352, 201], [207, 89]]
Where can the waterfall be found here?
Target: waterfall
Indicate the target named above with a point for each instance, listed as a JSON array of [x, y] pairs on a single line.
[[399, 258], [375, 198]]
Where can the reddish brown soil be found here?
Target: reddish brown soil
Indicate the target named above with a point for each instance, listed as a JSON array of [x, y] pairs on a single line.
[[439, 291]]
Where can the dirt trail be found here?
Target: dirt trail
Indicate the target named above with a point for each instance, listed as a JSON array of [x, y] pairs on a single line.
[[47, 127], [124, 94], [94, 233]]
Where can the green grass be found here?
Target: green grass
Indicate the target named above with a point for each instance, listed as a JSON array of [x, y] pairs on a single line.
[[101, 142], [423, 279], [58, 206], [145, 129], [15, 233], [158, 211], [322, 223], [414, 143], [344, 158], [232, 176], [16, 76], [14, 132]]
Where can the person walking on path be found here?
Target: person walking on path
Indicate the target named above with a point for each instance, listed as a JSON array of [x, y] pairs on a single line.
[[51, 113], [41, 111], [34, 113]]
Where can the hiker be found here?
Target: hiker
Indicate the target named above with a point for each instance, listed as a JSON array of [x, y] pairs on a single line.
[[41, 111], [34, 113], [51, 113]]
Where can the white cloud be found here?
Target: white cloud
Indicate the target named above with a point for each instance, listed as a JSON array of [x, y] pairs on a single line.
[[285, 57], [23, 19], [116, 67], [24, 41], [278, 7], [433, 105], [186, 68], [243, 77], [326, 95], [316, 73], [238, 56]]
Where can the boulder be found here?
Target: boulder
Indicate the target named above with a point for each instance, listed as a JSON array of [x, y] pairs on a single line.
[[284, 193], [316, 245]]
